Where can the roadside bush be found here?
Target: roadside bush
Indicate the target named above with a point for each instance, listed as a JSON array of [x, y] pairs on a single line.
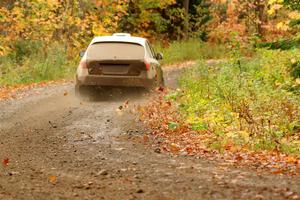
[[34, 62], [295, 68], [194, 49], [25, 48], [245, 103], [281, 44]]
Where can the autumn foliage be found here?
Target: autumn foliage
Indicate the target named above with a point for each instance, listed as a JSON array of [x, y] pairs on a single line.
[[172, 133], [75, 22]]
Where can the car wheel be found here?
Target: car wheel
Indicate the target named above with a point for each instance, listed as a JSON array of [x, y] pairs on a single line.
[[157, 84], [162, 82], [83, 91]]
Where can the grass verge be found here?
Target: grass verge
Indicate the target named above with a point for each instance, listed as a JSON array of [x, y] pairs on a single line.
[[238, 105], [32, 62], [253, 104], [246, 103], [180, 51]]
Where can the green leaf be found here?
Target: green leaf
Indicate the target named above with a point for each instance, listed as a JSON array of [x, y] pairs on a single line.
[[199, 126], [173, 95], [173, 125]]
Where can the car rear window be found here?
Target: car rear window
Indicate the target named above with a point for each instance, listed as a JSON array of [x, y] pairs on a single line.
[[115, 50]]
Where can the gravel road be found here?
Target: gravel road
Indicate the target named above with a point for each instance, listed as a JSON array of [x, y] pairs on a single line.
[[53, 146]]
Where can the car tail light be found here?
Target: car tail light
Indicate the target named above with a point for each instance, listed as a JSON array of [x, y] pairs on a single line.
[[83, 64], [147, 65]]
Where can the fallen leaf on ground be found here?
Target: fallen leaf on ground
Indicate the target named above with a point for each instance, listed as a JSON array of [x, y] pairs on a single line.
[[146, 138], [5, 162], [52, 179], [174, 148], [171, 133], [20, 90], [126, 103]]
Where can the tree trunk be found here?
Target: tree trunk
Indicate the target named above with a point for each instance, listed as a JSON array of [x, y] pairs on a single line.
[[261, 17], [186, 5]]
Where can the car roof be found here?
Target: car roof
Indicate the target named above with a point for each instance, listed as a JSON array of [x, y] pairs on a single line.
[[125, 38]]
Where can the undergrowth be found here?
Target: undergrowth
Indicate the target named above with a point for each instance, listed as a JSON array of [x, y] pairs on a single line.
[[33, 62], [245, 103], [179, 51]]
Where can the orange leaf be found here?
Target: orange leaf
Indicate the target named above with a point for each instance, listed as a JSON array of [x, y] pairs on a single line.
[[52, 179], [239, 158], [5, 162], [146, 138], [174, 148], [279, 171], [291, 159]]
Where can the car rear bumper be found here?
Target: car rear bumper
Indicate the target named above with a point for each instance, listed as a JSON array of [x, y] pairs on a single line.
[[127, 81]]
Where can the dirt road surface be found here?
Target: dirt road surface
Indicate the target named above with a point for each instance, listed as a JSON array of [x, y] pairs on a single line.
[[53, 146]]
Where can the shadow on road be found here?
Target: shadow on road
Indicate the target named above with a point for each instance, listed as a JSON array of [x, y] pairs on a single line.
[[115, 94]]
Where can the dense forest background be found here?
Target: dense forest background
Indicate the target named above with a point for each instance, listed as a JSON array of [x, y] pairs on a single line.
[[75, 22]]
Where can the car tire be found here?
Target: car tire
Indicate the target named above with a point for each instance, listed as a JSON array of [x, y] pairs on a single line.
[[162, 82], [157, 84], [83, 91]]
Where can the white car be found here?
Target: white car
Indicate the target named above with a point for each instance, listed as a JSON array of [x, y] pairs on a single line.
[[119, 60]]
